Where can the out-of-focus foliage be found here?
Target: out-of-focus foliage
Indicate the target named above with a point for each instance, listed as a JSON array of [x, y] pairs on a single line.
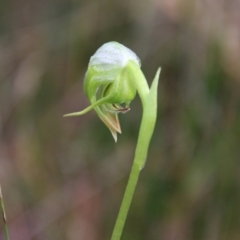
[[64, 178]]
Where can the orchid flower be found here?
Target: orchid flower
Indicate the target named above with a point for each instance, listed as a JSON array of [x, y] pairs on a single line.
[[110, 83]]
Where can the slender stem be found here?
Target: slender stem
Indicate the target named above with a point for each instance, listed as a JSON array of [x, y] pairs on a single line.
[[126, 202], [4, 215], [146, 130]]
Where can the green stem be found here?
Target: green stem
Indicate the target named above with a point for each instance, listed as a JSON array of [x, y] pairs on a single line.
[[4, 215], [127, 199], [149, 103]]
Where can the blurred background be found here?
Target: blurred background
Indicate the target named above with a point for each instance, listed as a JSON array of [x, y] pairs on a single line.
[[64, 178]]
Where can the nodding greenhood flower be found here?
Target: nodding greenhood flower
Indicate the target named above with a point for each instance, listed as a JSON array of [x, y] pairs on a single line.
[[112, 80], [111, 83]]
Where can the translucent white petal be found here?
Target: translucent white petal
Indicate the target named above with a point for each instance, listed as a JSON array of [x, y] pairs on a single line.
[[112, 56]]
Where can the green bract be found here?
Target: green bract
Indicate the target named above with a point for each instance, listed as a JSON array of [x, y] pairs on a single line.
[[110, 83]]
